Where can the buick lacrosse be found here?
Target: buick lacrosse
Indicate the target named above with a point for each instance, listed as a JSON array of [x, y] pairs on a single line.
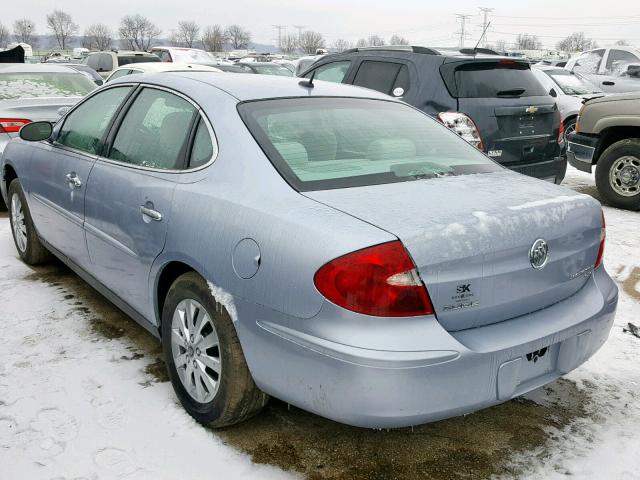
[[320, 243]]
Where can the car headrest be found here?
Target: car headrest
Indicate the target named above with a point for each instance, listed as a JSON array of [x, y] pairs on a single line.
[[391, 148], [294, 153]]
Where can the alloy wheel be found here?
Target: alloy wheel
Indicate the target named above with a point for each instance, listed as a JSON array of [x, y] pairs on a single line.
[[624, 176], [18, 223], [195, 349]]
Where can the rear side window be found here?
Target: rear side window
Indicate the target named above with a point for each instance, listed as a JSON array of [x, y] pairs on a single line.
[[93, 61], [155, 131], [386, 77], [84, 128], [501, 79], [331, 72], [202, 149]]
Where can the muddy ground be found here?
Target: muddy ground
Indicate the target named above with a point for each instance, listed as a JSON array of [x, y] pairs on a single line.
[[475, 446]]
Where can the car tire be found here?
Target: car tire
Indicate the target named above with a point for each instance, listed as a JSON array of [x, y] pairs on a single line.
[[569, 127], [219, 400], [25, 237], [618, 174]]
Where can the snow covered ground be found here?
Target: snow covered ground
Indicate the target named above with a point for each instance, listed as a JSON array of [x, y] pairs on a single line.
[[79, 401]]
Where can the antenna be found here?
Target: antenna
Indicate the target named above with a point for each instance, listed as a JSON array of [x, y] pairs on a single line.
[[308, 83], [485, 23], [481, 36]]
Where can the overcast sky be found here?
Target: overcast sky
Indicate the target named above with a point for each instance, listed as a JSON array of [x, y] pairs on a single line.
[[423, 22]]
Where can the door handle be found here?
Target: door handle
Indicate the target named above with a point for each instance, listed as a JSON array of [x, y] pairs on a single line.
[[151, 213], [73, 180], [608, 83]]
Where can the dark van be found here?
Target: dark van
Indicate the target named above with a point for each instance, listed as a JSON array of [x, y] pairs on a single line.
[[494, 102]]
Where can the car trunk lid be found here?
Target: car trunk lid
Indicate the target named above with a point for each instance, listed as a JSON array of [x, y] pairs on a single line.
[[470, 238]]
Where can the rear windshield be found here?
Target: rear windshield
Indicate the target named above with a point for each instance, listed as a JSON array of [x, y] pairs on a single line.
[[192, 56], [326, 143], [44, 84], [500, 79], [273, 70], [127, 59], [572, 83]]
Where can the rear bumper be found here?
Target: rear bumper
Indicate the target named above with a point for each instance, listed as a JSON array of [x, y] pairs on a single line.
[[369, 373], [552, 170], [581, 151]]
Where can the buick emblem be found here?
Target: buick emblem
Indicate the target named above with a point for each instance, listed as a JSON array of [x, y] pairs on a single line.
[[539, 254]]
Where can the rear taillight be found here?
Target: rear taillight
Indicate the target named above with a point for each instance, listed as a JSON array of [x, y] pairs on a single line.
[[12, 125], [603, 237], [380, 281], [561, 130], [464, 126]]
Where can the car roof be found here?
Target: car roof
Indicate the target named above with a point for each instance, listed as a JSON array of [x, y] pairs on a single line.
[[245, 87], [35, 67], [443, 51]]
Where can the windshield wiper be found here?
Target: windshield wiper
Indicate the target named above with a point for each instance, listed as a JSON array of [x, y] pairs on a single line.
[[513, 92]]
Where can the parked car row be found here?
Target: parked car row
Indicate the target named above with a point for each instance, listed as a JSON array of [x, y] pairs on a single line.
[[328, 245]]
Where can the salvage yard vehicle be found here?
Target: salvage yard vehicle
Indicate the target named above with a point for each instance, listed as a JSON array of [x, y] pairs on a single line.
[[157, 67], [327, 245], [493, 102], [614, 70], [106, 62], [607, 136], [36, 92], [183, 55], [569, 89]]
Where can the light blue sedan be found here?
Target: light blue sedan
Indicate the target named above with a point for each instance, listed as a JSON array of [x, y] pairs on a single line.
[[320, 243]]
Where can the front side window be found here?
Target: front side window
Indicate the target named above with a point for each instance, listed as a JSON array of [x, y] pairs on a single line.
[[331, 72], [619, 60], [155, 131], [386, 77], [325, 143], [589, 62], [120, 73], [84, 128]]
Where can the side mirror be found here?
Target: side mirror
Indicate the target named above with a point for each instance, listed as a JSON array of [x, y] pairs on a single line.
[[62, 111], [36, 131], [553, 93], [633, 70]]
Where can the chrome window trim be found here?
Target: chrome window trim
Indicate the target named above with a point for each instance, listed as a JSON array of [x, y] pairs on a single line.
[[212, 135]]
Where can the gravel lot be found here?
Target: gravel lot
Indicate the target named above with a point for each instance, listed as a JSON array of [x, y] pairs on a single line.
[[84, 394]]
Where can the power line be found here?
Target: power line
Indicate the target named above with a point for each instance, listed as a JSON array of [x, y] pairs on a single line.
[[300, 29], [485, 23], [461, 32], [280, 28]]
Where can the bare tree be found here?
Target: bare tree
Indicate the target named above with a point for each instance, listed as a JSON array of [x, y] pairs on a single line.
[[188, 33], [362, 42], [622, 43], [4, 35], [238, 37], [24, 31], [97, 37], [289, 44], [137, 32], [310, 41], [576, 42], [524, 41], [62, 26], [214, 38], [398, 40], [340, 45], [375, 41]]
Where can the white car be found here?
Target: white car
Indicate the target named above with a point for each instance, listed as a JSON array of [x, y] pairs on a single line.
[[136, 68], [614, 70]]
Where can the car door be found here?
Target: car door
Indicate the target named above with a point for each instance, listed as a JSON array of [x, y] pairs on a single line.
[[614, 69], [588, 65], [130, 192], [60, 169]]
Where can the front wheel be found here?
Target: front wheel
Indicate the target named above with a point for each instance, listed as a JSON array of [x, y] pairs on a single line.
[[204, 357], [618, 174], [25, 237]]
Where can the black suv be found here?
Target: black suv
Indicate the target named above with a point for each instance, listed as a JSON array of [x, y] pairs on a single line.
[[494, 102]]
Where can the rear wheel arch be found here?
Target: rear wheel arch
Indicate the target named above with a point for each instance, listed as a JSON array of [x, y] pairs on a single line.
[[8, 175], [168, 275]]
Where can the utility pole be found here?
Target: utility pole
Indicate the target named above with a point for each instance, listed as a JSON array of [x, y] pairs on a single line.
[[300, 29], [462, 32], [280, 28], [485, 22]]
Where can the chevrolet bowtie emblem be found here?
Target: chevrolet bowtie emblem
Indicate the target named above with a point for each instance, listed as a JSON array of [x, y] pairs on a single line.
[[531, 110]]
